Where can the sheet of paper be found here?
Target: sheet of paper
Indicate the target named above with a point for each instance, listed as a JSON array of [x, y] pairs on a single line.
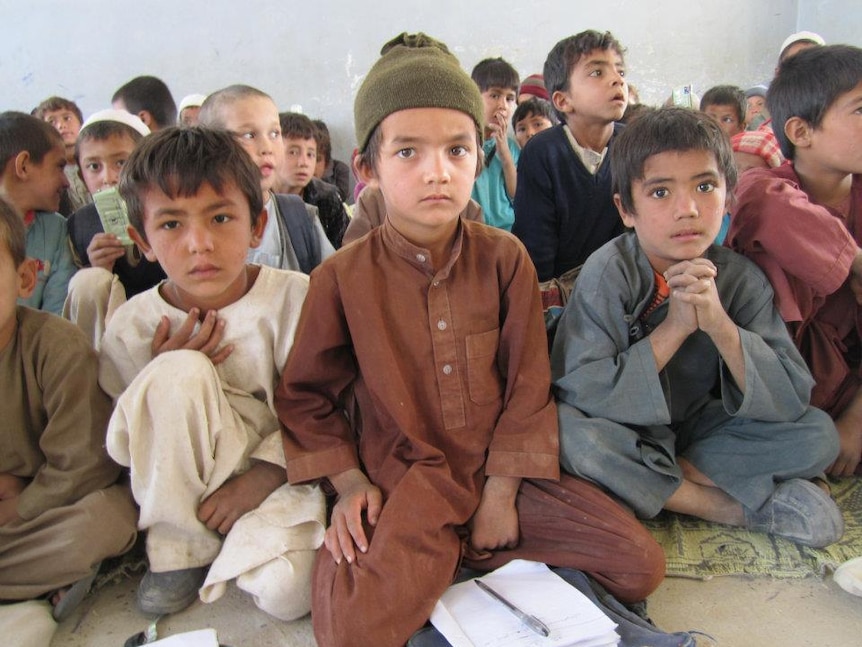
[[113, 213], [468, 617], [200, 638]]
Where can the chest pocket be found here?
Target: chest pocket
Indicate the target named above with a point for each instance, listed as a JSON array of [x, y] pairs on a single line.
[[483, 375]]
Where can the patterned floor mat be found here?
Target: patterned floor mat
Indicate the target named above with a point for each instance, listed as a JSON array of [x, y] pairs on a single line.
[[700, 549]]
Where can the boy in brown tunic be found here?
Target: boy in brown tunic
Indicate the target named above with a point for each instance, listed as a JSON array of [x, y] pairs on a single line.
[[419, 383]]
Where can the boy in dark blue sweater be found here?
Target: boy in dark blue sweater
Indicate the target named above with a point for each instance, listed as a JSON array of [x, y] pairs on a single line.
[[564, 206]]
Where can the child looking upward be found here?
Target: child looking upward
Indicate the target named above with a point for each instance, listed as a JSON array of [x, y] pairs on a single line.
[[678, 386], [205, 459], [564, 208], [32, 180], [802, 224], [294, 238], [419, 385], [494, 189]]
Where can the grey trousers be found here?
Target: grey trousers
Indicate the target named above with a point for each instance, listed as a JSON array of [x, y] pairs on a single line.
[[745, 458]]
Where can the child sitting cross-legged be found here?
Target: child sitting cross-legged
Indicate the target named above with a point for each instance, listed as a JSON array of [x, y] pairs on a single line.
[[192, 365], [678, 386], [419, 386]]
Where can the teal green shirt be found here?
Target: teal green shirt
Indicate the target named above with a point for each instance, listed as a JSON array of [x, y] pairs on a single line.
[[490, 188]]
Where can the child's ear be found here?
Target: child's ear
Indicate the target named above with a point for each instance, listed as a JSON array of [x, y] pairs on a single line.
[[142, 244], [561, 101], [798, 131], [627, 218], [258, 229], [22, 162], [147, 118], [26, 278], [364, 171]]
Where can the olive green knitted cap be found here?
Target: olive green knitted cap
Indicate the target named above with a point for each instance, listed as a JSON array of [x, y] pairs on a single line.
[[414, 71]]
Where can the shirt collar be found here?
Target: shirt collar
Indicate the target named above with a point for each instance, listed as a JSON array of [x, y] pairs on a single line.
[[420, 257]]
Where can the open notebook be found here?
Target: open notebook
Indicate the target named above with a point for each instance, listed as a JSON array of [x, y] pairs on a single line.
[[468, 617]]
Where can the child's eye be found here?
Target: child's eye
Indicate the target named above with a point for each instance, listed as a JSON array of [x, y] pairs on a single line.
[[660, 193], [706, 187], [169, 224], [221, 218], [596, 73], [245, 135], [405, 153], [520, 130], [459, 151], [121, 163], [275, 135], [621, 72], [94, 167]]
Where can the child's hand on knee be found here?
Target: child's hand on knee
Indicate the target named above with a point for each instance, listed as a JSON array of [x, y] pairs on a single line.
[[10, 487], [206, 339], [494, 525], [221, 510], [355, 495]]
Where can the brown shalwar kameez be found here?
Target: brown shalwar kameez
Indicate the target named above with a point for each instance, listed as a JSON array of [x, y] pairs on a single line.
[[430, 382]]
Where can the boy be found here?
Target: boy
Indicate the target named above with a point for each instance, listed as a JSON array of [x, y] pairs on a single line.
[[678, 387], [32, 159], [564, 208], [802, 224], [418, 383], [329, 169], [148, 98], [55, 477], [189, 110], [66, 117], [494, 189], [532, 117], [726, 104], [294, 238], [296, 175], [112, 272], [206, 466]]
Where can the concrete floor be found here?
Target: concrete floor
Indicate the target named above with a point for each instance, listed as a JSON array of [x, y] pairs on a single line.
[[736, 611]]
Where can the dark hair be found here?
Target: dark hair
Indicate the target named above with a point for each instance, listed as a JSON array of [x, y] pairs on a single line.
[[324, 142], [565, 55], [660, 131], [150, 94], [371, 153], [808, 83], [534, 107], [726, 95], [22, 132], [211, 113], [99, 131], [296, 126], [52, 104], [495, 73], [12, 232], [178, 161], [635, 111]]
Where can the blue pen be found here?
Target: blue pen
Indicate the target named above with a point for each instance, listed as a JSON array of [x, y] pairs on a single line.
[[531, 621]]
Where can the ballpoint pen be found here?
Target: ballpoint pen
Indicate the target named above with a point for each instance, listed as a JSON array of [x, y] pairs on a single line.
[[531, 621]]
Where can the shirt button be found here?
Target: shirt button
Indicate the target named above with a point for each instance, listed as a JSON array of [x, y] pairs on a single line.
[[420, 258], [447, 370], [441, 325], [436, 283]]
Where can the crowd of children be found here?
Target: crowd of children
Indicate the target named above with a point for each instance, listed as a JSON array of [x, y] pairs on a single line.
[[337, 407]]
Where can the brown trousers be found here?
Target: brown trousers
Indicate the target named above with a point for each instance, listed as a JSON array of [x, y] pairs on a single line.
[[389, 592], [61, 545]]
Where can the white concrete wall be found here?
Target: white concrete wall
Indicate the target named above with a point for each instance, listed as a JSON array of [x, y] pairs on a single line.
[[838, 21], [315, 53]]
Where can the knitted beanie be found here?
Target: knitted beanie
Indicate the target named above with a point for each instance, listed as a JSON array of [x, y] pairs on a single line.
[[414, 71], [534, 85]]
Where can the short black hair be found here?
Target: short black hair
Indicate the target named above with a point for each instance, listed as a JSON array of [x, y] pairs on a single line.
[[12, 232], [660, 131], [324, 141], [726, 95], [178, 161], [808, 83], [534, 107], [565, 55], [150, 94], [495, 73], [52, 104], [295, 125], [22, 132], [99, 131]]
